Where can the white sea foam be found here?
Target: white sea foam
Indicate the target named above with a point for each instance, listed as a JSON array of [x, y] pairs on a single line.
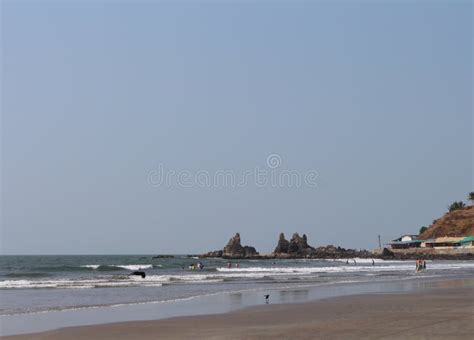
[[75, 284], [92, 266], [359, 260], [403, 266], [124, 266], [133, 266]]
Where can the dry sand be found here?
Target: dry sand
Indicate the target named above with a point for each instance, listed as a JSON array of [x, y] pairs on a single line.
[[438, 314]]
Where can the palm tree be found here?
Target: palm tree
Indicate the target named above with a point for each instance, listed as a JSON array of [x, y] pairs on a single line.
[[470, 197]]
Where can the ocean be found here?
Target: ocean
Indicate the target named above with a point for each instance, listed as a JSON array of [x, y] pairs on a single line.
[[33, 284]]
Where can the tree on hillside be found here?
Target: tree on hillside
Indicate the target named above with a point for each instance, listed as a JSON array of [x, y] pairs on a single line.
[[422, 230], [456, 206], [470, 197]]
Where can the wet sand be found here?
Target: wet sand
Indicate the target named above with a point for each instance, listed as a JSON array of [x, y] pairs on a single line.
[[441, 314]]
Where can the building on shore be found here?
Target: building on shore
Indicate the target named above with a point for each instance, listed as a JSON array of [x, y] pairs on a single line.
[[411, 242], [443, 242], [467, 242], [405, 242]]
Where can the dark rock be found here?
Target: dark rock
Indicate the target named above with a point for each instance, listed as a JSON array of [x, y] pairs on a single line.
[[282, 246], [250, 251], [296, 247], [234, 249], [299, 245], [215, 253]]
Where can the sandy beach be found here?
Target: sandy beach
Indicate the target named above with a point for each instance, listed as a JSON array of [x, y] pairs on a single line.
[[440, 313]]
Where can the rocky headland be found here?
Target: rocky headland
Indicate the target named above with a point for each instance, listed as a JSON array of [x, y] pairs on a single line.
[[459, 222]]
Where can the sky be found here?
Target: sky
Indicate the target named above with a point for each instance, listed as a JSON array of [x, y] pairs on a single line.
[[101, 99]]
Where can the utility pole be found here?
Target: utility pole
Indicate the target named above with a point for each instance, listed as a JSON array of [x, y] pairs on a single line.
[[380, 244]]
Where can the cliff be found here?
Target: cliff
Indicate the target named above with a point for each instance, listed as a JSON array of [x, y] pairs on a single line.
[[455, 224]]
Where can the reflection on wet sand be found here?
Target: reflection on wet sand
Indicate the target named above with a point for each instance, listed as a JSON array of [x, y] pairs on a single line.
[[294, 295]]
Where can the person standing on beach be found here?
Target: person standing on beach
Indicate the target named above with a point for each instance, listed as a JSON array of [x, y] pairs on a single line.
[[419, 265], [229, 265]]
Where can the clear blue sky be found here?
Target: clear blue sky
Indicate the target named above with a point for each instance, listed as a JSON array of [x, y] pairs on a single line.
[[376, 97]]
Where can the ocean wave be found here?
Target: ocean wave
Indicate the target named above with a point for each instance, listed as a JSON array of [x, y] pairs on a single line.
[[125, 281], [222, 274], [73, 284], [91, 266], [406, 266]]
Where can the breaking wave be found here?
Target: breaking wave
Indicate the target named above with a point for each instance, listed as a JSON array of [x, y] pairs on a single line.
[[112, 267]]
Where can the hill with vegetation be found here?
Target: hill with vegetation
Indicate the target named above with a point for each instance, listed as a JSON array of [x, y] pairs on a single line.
[[455, 223]]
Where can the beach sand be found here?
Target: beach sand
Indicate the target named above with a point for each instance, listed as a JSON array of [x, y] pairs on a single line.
[[440, 314]]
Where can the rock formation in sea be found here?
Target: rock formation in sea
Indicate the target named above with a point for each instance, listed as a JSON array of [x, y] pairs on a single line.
[[234, 250], [282, 246], [215, 253], [333, 252], [299, 245], [296, 247]]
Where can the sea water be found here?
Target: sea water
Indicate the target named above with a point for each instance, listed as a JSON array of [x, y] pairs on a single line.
[[33, 284]]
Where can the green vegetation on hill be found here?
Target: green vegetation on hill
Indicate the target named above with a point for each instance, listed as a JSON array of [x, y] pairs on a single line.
[[456, 206], [422, 230], [470, 197]]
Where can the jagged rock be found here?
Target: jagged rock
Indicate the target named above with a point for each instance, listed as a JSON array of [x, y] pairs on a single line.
[[250, 251], [333, 252], [282, 246], [215, 253], [234, 249], [299, 245], [296, 247]]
